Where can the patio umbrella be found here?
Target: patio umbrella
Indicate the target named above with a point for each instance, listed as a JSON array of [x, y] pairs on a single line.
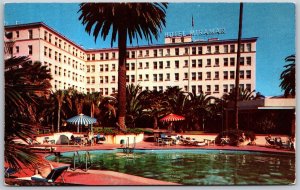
[[170, 118], [81, 119]]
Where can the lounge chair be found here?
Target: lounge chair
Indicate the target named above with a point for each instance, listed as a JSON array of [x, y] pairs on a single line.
[[52, 176], [9, 171], [270, 141], [281, 144]]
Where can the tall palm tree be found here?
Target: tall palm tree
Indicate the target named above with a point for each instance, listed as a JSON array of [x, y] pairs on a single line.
[[25, 84], [123, 20], [287, 77]]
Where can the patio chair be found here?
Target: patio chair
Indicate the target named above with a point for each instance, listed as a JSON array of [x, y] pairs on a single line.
[[270, 141], [281, 144], [52, 176], [9, 171]]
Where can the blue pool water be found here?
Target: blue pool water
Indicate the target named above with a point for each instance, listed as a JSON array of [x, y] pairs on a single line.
[[196, 167]]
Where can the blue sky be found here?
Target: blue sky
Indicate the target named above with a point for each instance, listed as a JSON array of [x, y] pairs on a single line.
[[272, 23]]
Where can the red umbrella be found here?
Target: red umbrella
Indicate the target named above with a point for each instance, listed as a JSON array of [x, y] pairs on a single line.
[[172, 117]]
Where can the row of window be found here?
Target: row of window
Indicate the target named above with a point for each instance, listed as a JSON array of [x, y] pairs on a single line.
[[63, 85], [65, 72], [197, 89]]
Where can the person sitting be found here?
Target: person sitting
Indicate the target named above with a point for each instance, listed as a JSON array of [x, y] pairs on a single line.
[[44, 169]]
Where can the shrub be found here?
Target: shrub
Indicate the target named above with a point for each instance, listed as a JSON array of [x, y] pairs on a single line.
[[235, 136]]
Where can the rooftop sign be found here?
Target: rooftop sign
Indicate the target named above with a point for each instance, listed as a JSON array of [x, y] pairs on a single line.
[[201, 32]]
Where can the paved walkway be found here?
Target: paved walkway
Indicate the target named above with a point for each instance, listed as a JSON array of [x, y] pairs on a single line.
[[100, 177]]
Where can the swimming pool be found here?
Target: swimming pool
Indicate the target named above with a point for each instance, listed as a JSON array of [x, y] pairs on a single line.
[[196, 167]]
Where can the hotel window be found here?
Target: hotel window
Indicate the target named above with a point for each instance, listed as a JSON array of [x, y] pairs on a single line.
[[193, 75], [113, 67], [113, 90], [194, 89], [208, 75], [231, 87], [168, 52], [225, 48], [154, 77], [55, 42], [232, 61], [231, 74], [30, 34], [248, 74], [208, 63], [65, 44], [101, 56], [106, 56], [186, 51], [208, 89], [17, 34], [127, 54], [55, 70], [200, 89], [248, 87], [113, 79], [161, 52], [46, 35], [182, 39], [176, 76], [199, 63], [232, 49], [242, 47], [161, 65], [168, 77], [216, 88], [30, 49], [186, 63], [18, 49], [208, 51], [160, 88], [217, 62], [127, 66], [140, 53], [65, 59], [88, 80], [217, 49], [194, 63], [155, 53], [173, 40], [101, 68], [225, 88], [248, 59], [155, 65], [50, 50], [59, 43], [140, 65], [168, 64], [176, 51], [132, 66], [113, 55], [101, 79], [127, 78], [88, 57], [225, 73], [199, 50], [154, 88], [186, 76], [106, 67], [147, 65], [176, 64], [241, 74], [242, 61], [185, 88], [248, 46], [193, 50], [106, 91], [101, 91], [216, 75], [50, 37], [241, 86], [69, 60], [106, 79], [93, 68], [147, 77], [132, 54], [93, 57], [45, 50], [93, 80], [161, 78], [147, 53], [199, 75], [59, 57], [140, 77]]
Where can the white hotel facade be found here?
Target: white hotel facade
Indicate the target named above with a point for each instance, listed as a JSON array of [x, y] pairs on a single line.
[[199, 66]]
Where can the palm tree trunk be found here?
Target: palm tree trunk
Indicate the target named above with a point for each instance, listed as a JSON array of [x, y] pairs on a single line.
[[155, 126], [58, 118], [122, 36]]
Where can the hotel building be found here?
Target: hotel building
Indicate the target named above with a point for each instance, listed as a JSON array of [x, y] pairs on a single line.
[[195, 66]]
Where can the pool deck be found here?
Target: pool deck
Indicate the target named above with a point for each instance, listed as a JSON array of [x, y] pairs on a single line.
[[108, 178]]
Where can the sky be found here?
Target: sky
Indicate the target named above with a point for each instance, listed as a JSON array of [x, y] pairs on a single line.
[[272, 23]]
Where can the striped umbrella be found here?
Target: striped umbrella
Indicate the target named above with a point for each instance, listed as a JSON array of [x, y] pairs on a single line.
[[172, 117], [81, 119]]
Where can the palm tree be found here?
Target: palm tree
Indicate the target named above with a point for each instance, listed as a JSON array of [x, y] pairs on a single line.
[[25, 84], [287, 77], [62, 99], [123, 20]]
